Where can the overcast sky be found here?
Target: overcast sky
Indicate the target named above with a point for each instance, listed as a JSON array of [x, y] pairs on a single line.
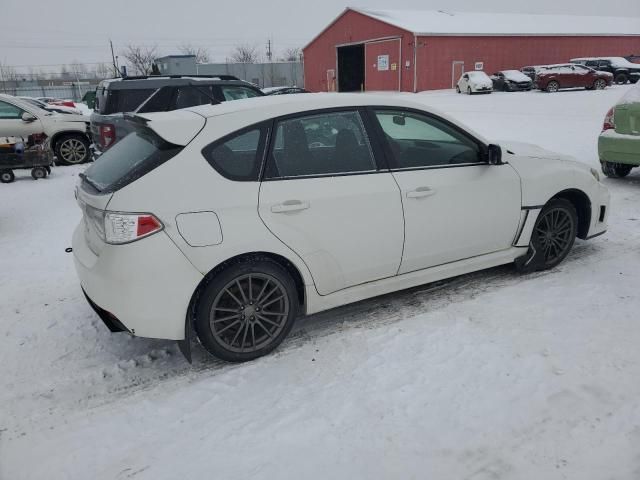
[[43, 32]]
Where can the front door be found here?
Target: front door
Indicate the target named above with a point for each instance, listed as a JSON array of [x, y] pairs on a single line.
[[456, 206], [325, 198], [12, 125], [382, 65]]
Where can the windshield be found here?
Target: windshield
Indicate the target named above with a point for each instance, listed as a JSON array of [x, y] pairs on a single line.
[[478, 76], [134, 156]]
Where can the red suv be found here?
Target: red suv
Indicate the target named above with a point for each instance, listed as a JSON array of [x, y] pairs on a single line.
[[552, 78]]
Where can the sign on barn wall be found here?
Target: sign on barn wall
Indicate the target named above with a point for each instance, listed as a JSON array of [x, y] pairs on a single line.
[[383, 63], [479, 66]]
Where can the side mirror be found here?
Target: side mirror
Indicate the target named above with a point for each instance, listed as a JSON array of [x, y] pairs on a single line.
[[494, 154], [27, 117]]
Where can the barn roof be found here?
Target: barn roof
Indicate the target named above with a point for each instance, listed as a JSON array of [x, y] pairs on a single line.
[[431, 22]]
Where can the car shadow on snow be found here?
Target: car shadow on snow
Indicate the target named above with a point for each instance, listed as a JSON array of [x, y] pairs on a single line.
[[146, 361]]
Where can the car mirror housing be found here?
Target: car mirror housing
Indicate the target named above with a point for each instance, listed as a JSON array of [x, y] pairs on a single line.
[[494, 154], [27, 117]]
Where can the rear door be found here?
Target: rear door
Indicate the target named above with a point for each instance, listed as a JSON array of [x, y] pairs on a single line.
[[325, 197], [456, 206]]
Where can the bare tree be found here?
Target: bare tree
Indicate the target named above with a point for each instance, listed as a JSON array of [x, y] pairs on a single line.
[[292, 54], [141, 59], [245, 53], [102, 70], [201, 53]]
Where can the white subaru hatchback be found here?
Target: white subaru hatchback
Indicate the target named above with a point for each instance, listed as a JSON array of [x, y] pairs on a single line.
[[230, 221]]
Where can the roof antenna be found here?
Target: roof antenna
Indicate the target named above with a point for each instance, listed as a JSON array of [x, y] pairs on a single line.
[[446, 13]]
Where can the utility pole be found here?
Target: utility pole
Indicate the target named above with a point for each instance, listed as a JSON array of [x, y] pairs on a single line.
[[113, 58], [269, 52]]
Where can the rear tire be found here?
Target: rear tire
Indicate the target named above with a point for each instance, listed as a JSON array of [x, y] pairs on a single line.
[[7, 176], [616, 170], [553, 236], [552, 86], [247, 310], [458, 89], [599, 84], [72, 149], [621, 78], [38, 172]]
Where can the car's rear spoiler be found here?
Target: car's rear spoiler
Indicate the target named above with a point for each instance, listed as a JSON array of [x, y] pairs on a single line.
[[178, 127]]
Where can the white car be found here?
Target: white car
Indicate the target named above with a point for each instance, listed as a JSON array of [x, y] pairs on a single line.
[[474, 82], [231, 220], [67, 133]]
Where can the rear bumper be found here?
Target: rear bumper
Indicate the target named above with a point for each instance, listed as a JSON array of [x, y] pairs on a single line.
[[144, 287], [619, 148]]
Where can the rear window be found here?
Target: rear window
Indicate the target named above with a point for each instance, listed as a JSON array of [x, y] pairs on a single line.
[[135, 155], [124, 100]]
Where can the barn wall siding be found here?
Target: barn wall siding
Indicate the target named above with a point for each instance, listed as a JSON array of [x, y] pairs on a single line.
[[352, 27], [435, 54]]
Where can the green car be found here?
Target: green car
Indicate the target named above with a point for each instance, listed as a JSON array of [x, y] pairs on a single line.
[[619, 142]]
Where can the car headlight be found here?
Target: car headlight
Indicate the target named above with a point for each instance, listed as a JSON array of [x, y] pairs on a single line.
[[595, 174]]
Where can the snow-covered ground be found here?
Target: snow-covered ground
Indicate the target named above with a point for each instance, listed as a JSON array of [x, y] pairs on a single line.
[[487, 376]]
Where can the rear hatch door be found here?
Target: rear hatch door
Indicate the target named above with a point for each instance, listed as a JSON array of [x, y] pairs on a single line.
[[627, 114]]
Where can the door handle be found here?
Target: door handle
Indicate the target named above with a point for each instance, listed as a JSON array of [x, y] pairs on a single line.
[[290, 206], [421, 192]]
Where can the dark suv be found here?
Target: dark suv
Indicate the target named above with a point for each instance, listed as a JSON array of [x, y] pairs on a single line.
[[622, 69], [146, 94]]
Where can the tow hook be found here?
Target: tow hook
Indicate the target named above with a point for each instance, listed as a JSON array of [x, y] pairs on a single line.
[[68, 250]]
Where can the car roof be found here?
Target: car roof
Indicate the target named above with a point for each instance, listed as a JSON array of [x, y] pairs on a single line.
[[259, 109], [160, 81]]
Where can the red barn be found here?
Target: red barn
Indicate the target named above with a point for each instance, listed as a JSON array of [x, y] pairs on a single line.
[[412, 51]]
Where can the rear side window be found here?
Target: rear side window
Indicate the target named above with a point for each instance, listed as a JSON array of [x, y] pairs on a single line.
[[333, 143], [126, 100], [135, 155], [9, 112], [239, 156], [234, 92]]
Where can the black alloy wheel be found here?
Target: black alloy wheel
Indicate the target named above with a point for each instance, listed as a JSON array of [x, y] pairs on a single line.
[[554, 233], [247, 310]]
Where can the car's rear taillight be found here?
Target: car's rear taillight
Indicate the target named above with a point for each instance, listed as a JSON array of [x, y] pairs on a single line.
[[609, 122], [128, 227], [107, 135]]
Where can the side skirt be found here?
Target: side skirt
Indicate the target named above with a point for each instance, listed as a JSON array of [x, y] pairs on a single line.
[[317, 303]]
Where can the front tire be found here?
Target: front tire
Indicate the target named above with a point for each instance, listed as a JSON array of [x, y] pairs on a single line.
[[553, 236], [247, 310], [72, 149], [469, 92], [616, 170], [458, 89]]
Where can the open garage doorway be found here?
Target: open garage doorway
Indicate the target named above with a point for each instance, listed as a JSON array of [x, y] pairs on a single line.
[[351, 68]]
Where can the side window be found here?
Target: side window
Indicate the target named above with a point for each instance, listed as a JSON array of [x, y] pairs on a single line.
[[420, 141], [233, 92], [191, 97], [9, 111], [238, 157], [324, 144]]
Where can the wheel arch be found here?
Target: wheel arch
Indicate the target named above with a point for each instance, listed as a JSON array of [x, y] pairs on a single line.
[[63, 133], [582, 204], [297, 277]]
